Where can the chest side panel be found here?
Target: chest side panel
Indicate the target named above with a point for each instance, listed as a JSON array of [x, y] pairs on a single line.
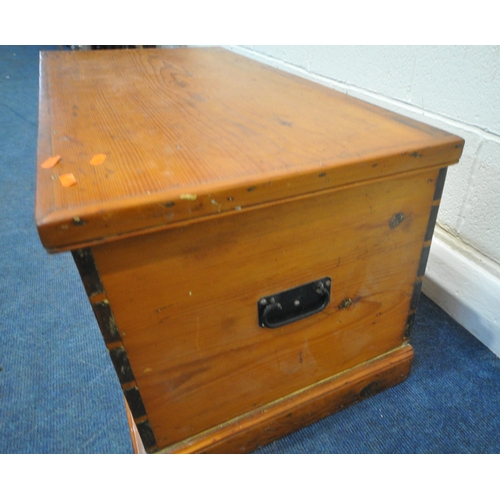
[[185, 300]]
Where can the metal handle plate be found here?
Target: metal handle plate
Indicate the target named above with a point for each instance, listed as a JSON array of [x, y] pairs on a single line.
[[294, 304]]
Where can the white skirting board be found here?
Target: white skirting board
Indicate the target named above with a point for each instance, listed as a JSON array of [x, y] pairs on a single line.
[[468, 292]]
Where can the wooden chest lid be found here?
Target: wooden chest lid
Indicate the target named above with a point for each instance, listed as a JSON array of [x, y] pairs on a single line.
[[153, 137]]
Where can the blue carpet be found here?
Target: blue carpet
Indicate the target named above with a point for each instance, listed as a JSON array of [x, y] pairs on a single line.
[[59, 392]]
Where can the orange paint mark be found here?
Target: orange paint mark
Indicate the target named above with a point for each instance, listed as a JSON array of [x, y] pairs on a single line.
[[67, 180], [51, 161], [98, 159]]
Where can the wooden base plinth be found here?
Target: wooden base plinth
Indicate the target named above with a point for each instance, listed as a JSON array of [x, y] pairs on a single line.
[[275, 420], [134, 433]]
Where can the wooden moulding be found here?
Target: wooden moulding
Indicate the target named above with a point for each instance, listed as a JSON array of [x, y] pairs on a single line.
[[277, 419], [134, 433]]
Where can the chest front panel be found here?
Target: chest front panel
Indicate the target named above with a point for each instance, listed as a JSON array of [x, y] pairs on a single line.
[[185, 299]]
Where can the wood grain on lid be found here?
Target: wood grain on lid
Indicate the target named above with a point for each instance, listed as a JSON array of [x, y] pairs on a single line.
[[193, 132]]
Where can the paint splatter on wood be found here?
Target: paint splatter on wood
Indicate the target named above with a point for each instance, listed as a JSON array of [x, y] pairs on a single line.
[[67, 180], [51, 162], [98, 159]]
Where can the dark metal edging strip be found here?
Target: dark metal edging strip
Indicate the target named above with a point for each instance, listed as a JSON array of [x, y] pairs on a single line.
[[440, 183], [424, 256], [91, 279]]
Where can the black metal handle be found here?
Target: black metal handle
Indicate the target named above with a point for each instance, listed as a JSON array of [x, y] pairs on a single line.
[[295, 304]]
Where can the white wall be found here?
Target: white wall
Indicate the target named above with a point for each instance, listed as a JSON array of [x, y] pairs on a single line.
[[456, 88]]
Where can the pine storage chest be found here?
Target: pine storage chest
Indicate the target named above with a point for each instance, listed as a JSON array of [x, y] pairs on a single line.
[[252, 244]]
